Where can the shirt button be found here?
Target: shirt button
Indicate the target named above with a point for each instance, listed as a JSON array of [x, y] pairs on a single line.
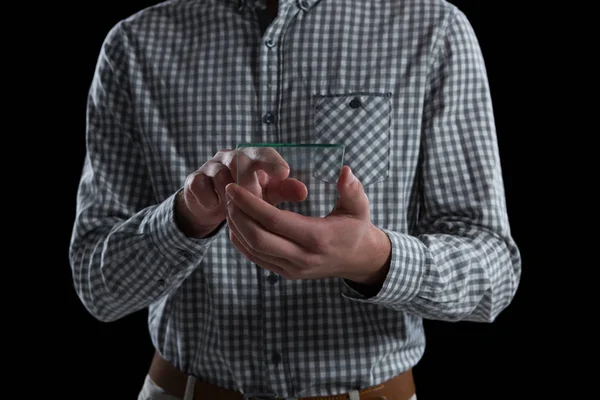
[[276, 357], [270, 42], [273, 279], [269, 118], [304, 4], [161, 282], [355, 103]]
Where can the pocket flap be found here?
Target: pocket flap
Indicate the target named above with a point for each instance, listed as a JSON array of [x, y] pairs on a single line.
[[361, 122]]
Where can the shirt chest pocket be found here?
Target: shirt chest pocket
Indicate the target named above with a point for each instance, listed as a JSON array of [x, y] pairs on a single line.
[[361, 122]]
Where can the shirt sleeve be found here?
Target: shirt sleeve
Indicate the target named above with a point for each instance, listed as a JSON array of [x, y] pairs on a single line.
[[462, 262], [126, 250]]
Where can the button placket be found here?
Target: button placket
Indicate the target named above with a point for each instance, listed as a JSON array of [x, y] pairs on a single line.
[[269, 57], [273, 287]]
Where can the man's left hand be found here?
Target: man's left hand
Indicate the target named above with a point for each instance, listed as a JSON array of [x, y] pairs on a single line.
[[344, 244]]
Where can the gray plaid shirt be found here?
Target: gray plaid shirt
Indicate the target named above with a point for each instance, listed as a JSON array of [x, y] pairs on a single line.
[[183, 79]]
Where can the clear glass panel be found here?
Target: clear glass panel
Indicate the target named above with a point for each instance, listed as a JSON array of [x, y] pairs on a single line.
[[318, 166]]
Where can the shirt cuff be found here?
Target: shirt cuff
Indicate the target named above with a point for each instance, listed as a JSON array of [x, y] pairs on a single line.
[[173, 244], [405, 276]]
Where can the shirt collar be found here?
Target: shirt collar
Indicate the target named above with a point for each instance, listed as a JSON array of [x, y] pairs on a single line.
[[302, 4]]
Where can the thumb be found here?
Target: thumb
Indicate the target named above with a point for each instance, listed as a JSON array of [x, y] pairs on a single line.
[[352, 198]]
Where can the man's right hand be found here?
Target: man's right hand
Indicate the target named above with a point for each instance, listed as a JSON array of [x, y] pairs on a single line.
[[201, 206]]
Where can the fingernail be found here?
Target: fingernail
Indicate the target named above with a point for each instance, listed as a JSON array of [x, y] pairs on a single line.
[[279, 168], [230, 190], [352, 178]]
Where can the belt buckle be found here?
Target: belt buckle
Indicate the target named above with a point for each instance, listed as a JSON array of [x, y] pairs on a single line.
[[260, 396]]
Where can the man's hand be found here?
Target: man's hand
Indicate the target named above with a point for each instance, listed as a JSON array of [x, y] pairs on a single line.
[[201, 206], [344, 244]]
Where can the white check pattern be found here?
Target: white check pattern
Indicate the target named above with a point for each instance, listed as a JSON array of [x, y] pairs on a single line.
[[401, 83]]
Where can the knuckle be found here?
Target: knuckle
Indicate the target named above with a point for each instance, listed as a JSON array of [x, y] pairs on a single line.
[[317, 242], [222, 175], [255, 165], [259, 244], [308, 262], [221, 153], [236, 154], [209, 167], [195, 181], [225, 157]]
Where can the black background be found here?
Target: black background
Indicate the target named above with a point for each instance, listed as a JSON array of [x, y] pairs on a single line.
[[89, 359]]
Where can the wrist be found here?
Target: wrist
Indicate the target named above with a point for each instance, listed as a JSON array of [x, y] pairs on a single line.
[[184, 219], [377, 265]]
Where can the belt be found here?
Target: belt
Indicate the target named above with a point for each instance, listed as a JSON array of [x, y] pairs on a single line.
[[173, 381]]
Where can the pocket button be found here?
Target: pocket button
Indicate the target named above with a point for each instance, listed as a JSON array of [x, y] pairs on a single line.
[[355, 103]]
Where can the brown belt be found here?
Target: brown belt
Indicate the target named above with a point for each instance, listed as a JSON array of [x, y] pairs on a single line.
[[173, 381]]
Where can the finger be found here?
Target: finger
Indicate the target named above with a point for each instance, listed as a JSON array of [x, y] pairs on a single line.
[[254, 158], [229, 159], [263, 178], [352, 199], [220, 177], [293, 190], [249, 160], [260, 241], [243, 248], [200, 192], [265, 158], [290, 189], [300, 229]]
